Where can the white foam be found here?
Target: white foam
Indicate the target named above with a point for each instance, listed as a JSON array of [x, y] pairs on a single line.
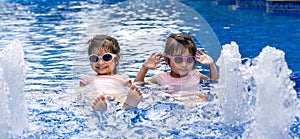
[[12, 76], [230, 88], [277, 101], [4, 110]]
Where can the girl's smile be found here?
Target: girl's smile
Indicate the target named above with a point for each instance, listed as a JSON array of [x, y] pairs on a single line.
[[100, 67]]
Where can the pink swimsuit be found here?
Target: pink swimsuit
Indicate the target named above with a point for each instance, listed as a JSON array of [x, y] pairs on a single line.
[[105, 83], [179, 85]]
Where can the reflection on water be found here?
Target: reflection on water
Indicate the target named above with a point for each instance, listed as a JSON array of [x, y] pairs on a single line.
[[54, 36]]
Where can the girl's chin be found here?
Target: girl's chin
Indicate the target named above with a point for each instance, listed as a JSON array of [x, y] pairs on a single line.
[[183, 75], [180, 74], [105, 73]]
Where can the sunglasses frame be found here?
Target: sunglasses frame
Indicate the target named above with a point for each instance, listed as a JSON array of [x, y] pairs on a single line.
[[101, 57], [183, 57]]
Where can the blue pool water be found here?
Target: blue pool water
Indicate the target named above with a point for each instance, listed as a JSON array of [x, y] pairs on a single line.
[[52, 36]]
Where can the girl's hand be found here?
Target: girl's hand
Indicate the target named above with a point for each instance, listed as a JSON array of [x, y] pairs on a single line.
[[203, 58], [155, 58]]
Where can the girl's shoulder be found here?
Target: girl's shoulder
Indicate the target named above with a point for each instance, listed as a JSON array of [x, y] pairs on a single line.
[[162, 78], [163, 75]]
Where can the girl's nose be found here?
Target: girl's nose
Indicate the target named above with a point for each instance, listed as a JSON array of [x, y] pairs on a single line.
[[100, 61], [183, 63]]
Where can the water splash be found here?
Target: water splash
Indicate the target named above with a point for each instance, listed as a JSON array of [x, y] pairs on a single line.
[[257, 92], [245, 95], [233, 88], [13, 105], [4, 110], [277, 102]]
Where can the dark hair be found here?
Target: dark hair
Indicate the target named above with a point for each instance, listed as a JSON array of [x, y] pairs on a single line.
[[179, 43], [105, 42]]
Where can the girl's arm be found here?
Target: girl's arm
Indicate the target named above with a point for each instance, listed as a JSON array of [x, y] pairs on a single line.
[[140, 77], [202, 76], [213, 72], [205, 59], [150, 63]]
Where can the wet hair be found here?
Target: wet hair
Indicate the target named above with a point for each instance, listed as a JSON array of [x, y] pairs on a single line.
[[179, 43], [105, 43]]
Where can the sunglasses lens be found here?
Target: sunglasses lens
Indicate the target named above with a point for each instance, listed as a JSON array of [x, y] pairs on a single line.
[[178, 60], [107, 57], [93, 58], [190, 60]]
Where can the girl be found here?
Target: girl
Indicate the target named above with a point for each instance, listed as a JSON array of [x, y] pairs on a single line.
[[181, 55], [104, 55]]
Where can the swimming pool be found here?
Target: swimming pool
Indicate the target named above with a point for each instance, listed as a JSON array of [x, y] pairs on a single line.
[[53, 36]]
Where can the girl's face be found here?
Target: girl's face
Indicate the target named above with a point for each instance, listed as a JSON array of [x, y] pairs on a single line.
[[102, 67], [181, 69]]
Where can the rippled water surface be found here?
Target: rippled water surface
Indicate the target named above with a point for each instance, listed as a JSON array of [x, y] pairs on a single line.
[[51, 31]]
